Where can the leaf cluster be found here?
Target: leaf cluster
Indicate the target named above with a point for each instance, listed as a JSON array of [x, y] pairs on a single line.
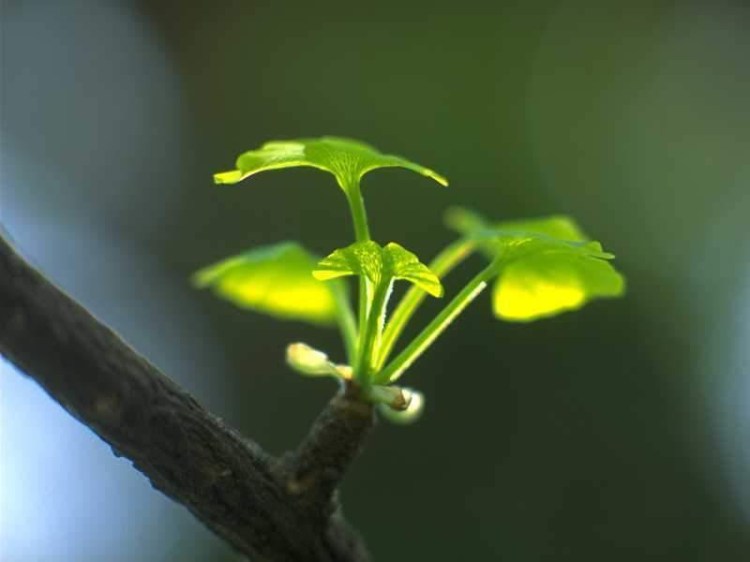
[[538, 267]]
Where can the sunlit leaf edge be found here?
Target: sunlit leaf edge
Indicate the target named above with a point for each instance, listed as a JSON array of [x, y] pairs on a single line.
[[317, 300], [586, 277], [377, 262], [363, 157]]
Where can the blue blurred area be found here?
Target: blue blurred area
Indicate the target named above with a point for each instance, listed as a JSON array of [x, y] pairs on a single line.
[[63, 494], [91, 127], [617, 433]]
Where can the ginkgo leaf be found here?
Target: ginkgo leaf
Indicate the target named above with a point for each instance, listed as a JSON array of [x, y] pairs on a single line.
[[347, 159], [545, 266], [361, 258], [379, 264], [547, 282], [403, 264], [561, 227], [276, 280], [556, 226]]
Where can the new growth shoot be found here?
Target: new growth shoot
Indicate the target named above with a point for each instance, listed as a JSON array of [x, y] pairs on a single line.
[[538, 268]]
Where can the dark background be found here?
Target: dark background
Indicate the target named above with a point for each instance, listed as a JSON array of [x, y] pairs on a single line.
[[617, 433]]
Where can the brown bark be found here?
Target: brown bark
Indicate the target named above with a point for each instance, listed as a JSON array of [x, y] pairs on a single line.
[[266, 508]]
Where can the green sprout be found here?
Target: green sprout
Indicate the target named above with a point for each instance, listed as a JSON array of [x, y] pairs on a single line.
[[539, 268]]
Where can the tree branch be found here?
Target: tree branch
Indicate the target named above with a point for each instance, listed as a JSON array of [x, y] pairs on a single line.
[[314, 470], [268, 509]]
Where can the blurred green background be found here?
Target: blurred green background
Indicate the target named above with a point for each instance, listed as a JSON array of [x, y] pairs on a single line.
[[617, 433]]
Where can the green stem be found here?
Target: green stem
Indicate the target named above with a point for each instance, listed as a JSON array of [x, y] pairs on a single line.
[[362, 234], [372, 331], [346, 321], [357, 209], [365, 289], [444, 263], [418, 346]]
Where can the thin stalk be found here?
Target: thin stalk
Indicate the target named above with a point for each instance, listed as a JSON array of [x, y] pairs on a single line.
[[365, 300], [362, 234], [438, 325], [450, 257], [346, 321], [357, 209], [372, 331]]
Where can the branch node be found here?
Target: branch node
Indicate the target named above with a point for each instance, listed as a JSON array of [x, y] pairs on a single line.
[[314, 470]]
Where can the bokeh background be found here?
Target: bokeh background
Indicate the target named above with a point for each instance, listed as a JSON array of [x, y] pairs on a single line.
[[618, 433]]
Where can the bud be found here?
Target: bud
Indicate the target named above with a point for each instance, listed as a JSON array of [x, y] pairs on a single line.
[[309, 361], [393, 396], [410, 413]]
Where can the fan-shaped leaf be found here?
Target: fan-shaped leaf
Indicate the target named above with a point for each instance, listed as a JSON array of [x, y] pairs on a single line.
[[545, 265], [361, 258], [379, 265], [276, 280], [347, 159], [403, 264], [549, 281]]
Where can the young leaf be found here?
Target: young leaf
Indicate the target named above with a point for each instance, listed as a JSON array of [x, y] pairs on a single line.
[[555, 226], [276, 280], [403, 264], [347, 159], [361, 258], [551, 280], [545, 266], [378, 264], [378, 267]]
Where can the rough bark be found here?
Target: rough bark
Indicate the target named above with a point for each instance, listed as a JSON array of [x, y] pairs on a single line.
[[266, 508]]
